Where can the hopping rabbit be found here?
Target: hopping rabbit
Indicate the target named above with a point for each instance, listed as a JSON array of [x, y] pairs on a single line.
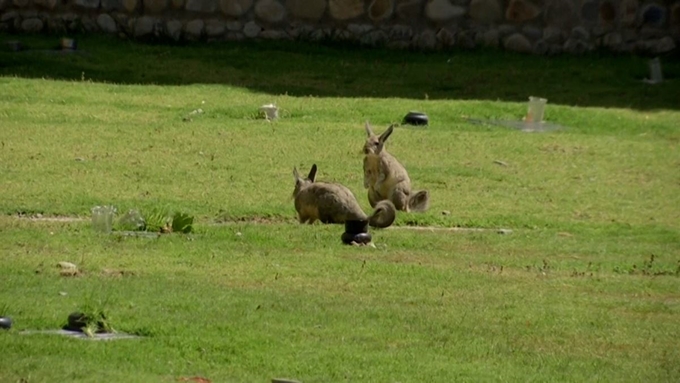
[[386, 178], [335, 203]]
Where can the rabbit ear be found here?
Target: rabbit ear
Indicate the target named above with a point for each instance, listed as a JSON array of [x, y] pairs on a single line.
[[295, 173], [369, 131], [312, 173], [385, 134], [383, 138]]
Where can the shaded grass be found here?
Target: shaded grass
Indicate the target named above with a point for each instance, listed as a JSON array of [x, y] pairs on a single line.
[[301, 69]]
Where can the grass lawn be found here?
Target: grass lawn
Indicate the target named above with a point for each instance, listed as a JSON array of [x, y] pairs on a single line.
[[585, 287]]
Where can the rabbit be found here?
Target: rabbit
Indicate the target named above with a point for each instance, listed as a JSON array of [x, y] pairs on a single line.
[[386, 178], [335, 203]]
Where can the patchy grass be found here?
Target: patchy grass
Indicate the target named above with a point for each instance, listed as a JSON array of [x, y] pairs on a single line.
[[584, 288]]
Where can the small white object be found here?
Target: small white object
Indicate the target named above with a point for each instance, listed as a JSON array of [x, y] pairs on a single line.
[[270, 111], [536, 109]]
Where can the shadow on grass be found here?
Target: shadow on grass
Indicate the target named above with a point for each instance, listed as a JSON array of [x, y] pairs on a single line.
[[322, 70]]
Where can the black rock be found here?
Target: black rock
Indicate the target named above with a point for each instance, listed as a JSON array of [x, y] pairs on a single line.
[[416, 118], [360, 238], [6, 323]]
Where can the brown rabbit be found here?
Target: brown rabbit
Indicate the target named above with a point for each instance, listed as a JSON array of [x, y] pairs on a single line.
[[334, 203], [386, 178]]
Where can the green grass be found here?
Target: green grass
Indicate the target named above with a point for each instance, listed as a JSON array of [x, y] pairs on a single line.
[[585, 288]]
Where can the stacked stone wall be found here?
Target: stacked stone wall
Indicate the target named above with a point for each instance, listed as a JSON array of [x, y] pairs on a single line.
[[529, 26]]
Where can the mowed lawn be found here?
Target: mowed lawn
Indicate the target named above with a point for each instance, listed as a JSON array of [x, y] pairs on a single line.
[[544, 257]]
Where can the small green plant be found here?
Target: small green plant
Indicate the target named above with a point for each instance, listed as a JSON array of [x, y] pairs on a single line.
[[182, 222], [158, 219], [91, 318]]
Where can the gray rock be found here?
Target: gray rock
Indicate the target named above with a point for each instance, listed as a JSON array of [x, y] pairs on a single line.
[[215, 28], [301, 31], [106, 23], [590, 10], [445, 38], [9, 16], [320, 34], [20, 3], [174, 29], [400, 32], [517, 43], [88, 24], [647, 33], [270, 11], [201, 6], [49, 4], [506, 30], [553, 35], [111, 5], [465, 39], [359, 29], [442, 11], [612, 40], [33, 25], [629, 35], [155, 6], [144, 26], [343, 35], [532, 33], [306, 10], [542, 47], [235, 8], [600, 30], [426, 40], [410, 10], [235, 36], [55, 25], [234, 25], [194, 29], [374, 38], [130, 5], [69, 17], [662, 45], [576, 47], [490, 38], [486, 11], [251, 29], [274, 34], [90, 4], [561, 15], [580, 33]]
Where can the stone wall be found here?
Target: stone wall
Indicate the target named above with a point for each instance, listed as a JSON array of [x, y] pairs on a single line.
[[530, 26]]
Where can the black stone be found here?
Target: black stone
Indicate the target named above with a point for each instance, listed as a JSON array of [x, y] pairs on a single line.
[[360, 238], [416, 118], [5, 323]]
